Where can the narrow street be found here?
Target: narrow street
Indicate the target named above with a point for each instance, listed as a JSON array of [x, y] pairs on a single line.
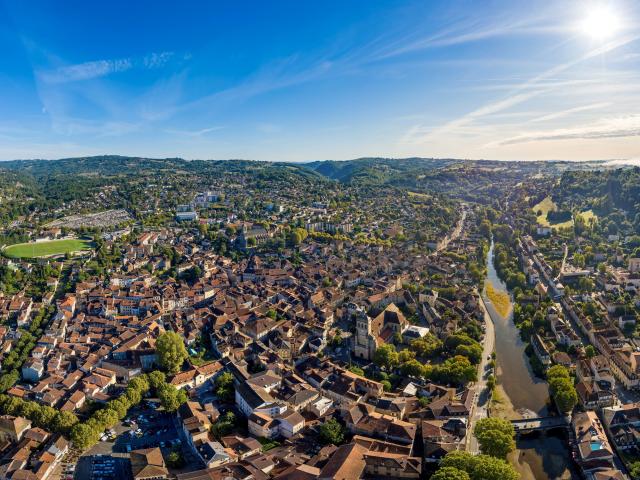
[[455, 233]]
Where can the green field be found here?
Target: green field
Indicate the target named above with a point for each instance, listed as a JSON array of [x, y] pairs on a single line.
[[44, 249], [545, 206], [589, 215], [548, 205]]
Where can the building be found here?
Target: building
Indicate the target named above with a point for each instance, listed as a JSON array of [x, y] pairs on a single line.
[[148, 464], [254, 399], [186, 213], [540, 349], [371, 333], [391, 465], [593, 452], [13, 428]]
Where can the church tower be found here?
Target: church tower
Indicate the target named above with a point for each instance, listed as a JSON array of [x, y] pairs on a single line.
[[363, 334]]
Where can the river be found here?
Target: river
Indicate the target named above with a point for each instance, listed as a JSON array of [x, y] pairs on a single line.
[[541, 456]]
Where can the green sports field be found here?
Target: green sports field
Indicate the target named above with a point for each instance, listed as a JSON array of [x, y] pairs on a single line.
[[44, 249]]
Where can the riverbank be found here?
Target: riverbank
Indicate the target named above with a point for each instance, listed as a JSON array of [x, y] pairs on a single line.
[[501, 300], [520, 393]]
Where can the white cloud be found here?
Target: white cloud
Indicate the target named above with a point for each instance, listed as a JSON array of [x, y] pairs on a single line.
[[196, 133], [102, 68], [570, 111], [86, 71], [522, 93], [616, 127]]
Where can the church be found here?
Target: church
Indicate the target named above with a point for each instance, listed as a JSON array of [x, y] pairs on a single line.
[[371, 333]]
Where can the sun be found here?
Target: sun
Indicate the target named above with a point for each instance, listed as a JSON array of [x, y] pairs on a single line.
[[600, 23]]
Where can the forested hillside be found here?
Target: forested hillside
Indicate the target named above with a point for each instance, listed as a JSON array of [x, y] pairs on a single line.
[[612, 194]]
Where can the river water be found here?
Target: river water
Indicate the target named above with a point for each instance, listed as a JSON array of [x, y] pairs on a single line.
[[546, 455]]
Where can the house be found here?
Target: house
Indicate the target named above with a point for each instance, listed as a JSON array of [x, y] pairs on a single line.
[[391, 465], [148, 464], [540, 349], [290, 423], [212, 454], [440, 437], [593, 451], [286, 425], [347, 463], [623, 425], [361, 421], [242, 447], [592, 395], [33, 370], [13, 428], [251, 399], [320, 406]]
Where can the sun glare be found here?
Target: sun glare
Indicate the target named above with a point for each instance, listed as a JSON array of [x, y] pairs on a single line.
[[600, 23]]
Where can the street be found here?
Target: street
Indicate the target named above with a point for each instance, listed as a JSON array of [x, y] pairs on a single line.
[[482, 395]]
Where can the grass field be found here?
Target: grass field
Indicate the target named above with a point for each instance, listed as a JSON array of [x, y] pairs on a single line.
[[418, 195], [545, 206], [501, 300], [44, 249], [588, 215]]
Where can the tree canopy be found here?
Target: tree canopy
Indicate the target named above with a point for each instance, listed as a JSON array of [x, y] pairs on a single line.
[[171, 351], [495, 436]]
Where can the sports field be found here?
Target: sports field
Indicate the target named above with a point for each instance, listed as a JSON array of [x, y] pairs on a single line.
[[44, 249]]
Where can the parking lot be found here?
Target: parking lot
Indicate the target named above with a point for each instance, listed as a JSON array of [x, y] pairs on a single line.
[[154, 429], [102, 467], [144, 427]]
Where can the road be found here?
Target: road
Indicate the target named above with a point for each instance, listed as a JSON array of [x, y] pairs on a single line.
[[454, 234], [481, 394], [564, 261]]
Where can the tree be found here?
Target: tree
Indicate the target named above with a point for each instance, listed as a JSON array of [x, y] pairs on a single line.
[[224, 425], [156, 379], [386, 356], [479, 467], [171, 397], [332, 431], [64, 421], [487, 467], [450, 473], [412, 368], [590, 351], [458, 370], [83, 435], [427, 346], [297, 236], [495, 436], [171, 351], [224, 387], [565, 395], [175, 459], [473, 352], [557, 371], [561, 388], [634, 470], [406, 355]]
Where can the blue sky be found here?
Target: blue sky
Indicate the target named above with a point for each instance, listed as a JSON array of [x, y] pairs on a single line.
[[298, 80]]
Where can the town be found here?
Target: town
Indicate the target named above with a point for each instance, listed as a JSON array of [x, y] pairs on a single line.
[[261, 322]]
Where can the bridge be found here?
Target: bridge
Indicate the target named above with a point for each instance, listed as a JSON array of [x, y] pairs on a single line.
[[528, 425]]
